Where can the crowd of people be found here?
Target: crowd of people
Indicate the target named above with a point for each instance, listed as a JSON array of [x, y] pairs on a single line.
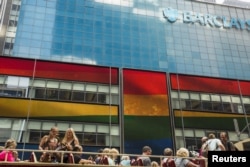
[[52, 150]]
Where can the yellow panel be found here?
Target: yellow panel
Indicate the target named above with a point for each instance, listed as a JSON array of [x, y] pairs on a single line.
[[35, 108], [146, 105], [204, 114]]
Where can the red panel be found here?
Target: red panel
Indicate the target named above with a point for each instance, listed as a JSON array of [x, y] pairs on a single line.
[[18, 67], [144, 82], [245, 88], [56, 70], [77, 72], [202, 84]]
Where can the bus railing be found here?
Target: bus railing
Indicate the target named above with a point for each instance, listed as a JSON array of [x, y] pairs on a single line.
[[34, 155]]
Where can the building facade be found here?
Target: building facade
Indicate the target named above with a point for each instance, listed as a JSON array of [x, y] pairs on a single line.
[[125, 73]]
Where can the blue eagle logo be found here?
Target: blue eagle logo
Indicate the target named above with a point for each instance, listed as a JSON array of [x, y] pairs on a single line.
[[171, 14]]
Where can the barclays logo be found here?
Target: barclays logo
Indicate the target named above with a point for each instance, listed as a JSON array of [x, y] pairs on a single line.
[[172, 15]]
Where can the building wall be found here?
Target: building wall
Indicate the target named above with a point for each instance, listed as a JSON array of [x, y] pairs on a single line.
[[138, 34]]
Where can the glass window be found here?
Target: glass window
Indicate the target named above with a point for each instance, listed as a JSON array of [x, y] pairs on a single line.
[[89, 128], [114, 89], [103, 88], [101, 140], [35, 136], [91, 88], [34, 125], [52, 84], [65, 95], [65, 85], [52, 94], [114, 131], [91, 97], [102, 98], [184, 95], [246, 102], [77, 127], [195, 101], [78, 86], [39, 93], [39, 83], [102, 129], [89, 139], [2, 79], [78, 96], [216, 103], [47, 125]]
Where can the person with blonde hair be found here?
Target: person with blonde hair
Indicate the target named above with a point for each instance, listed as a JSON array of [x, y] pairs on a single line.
[[154, 164], [125, 160], [69, 140], [9, 155], [182, 158]]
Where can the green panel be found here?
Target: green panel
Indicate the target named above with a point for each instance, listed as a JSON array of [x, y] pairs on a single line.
[[146, 127], [225, 123]]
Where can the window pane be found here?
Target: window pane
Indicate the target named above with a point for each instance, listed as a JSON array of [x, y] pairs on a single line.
[[39, 83], [52, 94], [114, 89], [65, 95], [52, 84], [91, 88], [48, 125], [89, 138], [78, 96], [101, 139], [205, 97], [114, 131], [226, 98], [77, 86], [246, 100], [89, 128], [215, 97], [65, 85], [91, 97], [102, 98], [34, 125], [174, 94], [102, 129], [184, 95], [104, 89], [40, 93], [2, 79], [114, 99], [77, 127], [194, 96]]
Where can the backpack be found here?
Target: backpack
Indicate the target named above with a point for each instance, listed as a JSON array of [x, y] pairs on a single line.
[[136, 162]]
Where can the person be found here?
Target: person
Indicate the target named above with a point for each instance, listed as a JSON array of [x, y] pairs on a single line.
[[168, 152], [229, 146], [214, 144], [125, 160], [182, 159], [106, 157], [203, 152], [68, 143], [113, 155], [78, 156], [98, 156], [9, 155], [69, 140], [146, 151], [154, 164], [49, 142]]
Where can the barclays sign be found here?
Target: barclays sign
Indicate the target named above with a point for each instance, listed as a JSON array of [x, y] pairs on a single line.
[[172, 15]]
